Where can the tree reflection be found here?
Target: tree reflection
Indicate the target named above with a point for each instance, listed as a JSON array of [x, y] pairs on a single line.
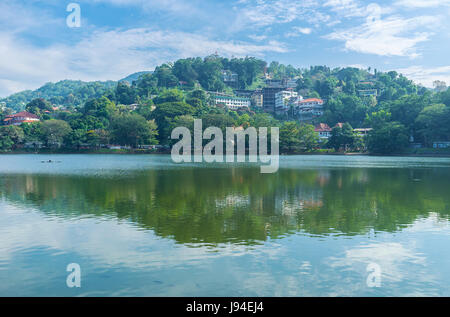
[[240, 205]]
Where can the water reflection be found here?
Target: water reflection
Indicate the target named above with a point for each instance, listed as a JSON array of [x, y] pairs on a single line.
[[240, 205]]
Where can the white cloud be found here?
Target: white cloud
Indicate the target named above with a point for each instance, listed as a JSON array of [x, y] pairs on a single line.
[[15, 17], [422, 3], [263, 13], [347, 8], [258, 37], [399, 263], [391, 36], [297, 31], [426, 75], [127, 246], [359, 66], [180, 6], [108, 55], [304, 30]]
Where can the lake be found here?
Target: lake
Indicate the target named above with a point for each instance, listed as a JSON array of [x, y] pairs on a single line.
[[140, 225]]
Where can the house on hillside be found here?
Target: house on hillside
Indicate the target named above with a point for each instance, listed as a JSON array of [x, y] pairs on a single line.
[[21, 117], [230, 78], [441, 144], [324, 131], [308, 109], [362, 132], [368, 92]]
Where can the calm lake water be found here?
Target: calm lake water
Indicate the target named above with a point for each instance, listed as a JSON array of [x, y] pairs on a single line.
[[144, 226]]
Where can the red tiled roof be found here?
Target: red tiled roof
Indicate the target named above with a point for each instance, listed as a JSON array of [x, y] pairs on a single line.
[[322, 127], [339, 124], [311, 100], [23, 114]]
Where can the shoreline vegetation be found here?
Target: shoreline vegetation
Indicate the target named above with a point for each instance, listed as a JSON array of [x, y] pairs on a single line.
[[412, 153], [318, 110]]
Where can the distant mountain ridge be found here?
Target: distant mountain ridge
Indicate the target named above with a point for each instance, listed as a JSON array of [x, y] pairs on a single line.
[[135, 76], [64, 92]]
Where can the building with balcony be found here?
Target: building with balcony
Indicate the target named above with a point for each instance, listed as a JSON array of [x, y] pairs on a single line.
[[283, 98], [232, 103], [308, 109], [21, 117], [324, 131]]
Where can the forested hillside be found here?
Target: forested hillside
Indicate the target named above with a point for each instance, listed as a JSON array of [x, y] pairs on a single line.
[[399, 112], [65, 92]]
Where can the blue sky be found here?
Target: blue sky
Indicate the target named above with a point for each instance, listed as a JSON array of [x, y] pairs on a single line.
[[119, 37]]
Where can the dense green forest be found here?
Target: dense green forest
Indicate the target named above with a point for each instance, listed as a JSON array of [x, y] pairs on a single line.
[[65, 92], [400, 112]]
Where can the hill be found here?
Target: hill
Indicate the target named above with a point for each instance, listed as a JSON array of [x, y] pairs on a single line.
[[135, 76], [65, 92]]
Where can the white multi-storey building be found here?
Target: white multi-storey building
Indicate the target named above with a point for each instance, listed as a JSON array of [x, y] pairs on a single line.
[[232, 103], [308, 109], [282, 97]]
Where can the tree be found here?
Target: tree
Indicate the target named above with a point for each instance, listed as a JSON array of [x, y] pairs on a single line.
[[391, 137], [165, 112], [186, 121], [377, 119], [32, 131], [100, 108], [10, 137], [342, 137], [145, 108], [165, 76], [133, 129], [406, 109], [433, 123], [326, 87], [243, 120], [289, 136], [304, 83], [76, 138], [439, 85], [184, 71], [298, 138], [170, 95], [219, 120], [209, 72], [264, 120], [345, 108], [199, 94], [99, 137], [54, 132], [38, 106], [125, 94], [308, 138], [350, 88], [445, 97], [146, 85]]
